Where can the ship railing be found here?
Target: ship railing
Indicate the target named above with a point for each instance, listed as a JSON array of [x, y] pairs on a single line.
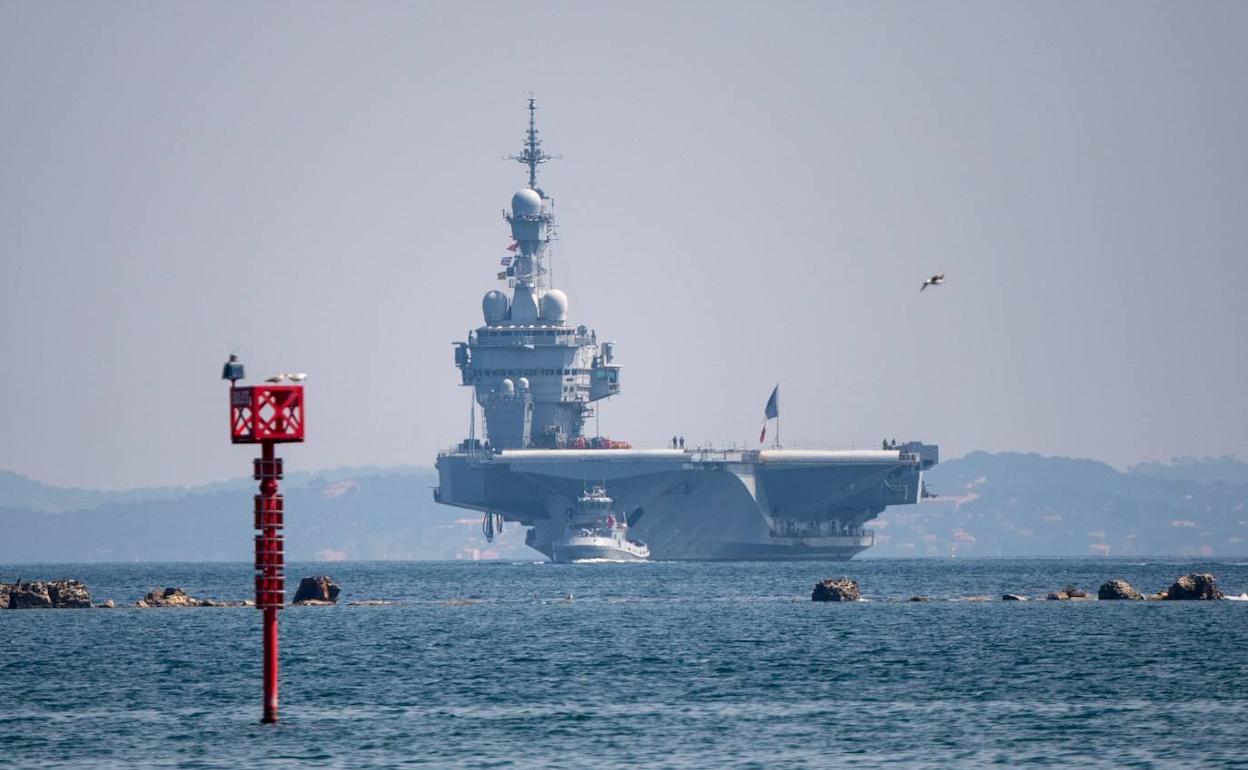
[[803, 529], [707, 455], [513, 340]]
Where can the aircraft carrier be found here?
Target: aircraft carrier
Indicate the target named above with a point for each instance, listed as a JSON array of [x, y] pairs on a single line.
[[535, 378]]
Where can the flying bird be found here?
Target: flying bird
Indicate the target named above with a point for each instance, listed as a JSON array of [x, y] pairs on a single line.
[[298, 376], [935, 280]]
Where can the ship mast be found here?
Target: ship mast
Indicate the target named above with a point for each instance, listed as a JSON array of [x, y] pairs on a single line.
[[531, 222], [532, 155]]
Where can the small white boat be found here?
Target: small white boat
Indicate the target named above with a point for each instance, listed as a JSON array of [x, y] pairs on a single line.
[[594, 533]]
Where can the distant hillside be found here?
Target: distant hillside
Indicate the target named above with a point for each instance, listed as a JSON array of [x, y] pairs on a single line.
[[988, 505], [1024, 504], [1206, 470], [344, 514]]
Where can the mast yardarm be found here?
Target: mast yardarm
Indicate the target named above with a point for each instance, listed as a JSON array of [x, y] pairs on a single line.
[[532, 155]]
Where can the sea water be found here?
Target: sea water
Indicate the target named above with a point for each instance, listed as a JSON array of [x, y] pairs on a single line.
[[671, 665]]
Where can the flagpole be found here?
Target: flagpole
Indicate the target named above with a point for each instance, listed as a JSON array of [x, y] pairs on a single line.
[[777, 415]]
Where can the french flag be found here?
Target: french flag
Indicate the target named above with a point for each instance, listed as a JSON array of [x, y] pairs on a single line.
[[770, 412]]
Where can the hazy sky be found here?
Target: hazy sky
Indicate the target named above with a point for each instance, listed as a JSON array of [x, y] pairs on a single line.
[[748, 193]]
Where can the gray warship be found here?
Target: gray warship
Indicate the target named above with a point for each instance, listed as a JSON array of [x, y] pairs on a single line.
[[535, 378]]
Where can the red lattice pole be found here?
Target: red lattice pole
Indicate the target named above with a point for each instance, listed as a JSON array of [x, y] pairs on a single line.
[[270, 580], [268, 415]]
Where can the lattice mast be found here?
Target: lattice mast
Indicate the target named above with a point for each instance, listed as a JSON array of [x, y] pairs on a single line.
[[533, 155], [267, 414], [531, 218]]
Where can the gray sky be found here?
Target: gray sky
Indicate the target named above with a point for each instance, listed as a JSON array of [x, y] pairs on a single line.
[[749, 193]]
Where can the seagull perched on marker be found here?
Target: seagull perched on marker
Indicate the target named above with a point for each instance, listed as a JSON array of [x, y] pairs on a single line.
[[297, 376], [935, 280], [279, 377]]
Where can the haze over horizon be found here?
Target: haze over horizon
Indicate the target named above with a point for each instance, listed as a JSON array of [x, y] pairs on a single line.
[[747, 195]]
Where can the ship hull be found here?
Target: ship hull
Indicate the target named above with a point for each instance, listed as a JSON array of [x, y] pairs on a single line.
[[773, 505], [570, 552]]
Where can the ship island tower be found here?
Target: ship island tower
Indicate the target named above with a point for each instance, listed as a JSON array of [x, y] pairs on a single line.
[[534, 375]]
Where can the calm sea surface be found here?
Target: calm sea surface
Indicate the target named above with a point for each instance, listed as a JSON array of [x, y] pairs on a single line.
[[488, 665]]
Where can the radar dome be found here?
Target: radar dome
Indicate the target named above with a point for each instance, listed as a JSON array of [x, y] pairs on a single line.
[[507, 386], [526, 203], [522, 384], [555, 306], [494, 306]]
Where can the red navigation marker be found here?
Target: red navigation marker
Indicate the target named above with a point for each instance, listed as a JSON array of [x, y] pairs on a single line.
[[266, 414]]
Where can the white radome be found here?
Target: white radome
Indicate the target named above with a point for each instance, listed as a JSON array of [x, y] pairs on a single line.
[[526, 203], [554, 306], [508, 386], [522, 384], [494, 306]]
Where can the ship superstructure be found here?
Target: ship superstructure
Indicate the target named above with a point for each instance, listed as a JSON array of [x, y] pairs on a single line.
[[535, 378]]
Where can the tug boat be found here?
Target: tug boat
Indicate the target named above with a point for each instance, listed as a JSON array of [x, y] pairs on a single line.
[[594, 533]]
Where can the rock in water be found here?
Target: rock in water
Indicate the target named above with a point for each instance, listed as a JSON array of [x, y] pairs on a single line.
[[320, 589], [29, 596], [5, 590], [69, 594], [1058, 596], [838, 590], [1013, 598], [1117, 589], [1195, 586], [1074, 593], [168, 597]]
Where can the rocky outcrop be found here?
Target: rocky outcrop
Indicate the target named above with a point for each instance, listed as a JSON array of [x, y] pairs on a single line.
[[1013, 598], [837, 590], [320, 589], [29, 596], [45, 594], [919, 598], [176, 597], [69, 594], [1117, 589], [1069, 592], [1196, 586]]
